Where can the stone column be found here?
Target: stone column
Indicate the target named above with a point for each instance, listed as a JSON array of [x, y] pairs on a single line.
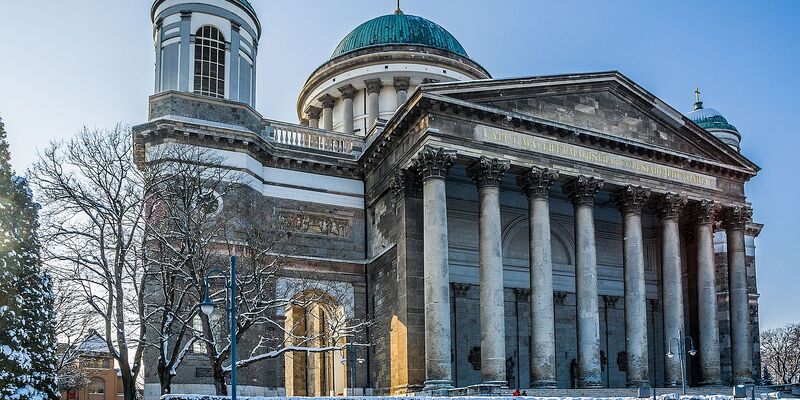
[[348, 93], [536, 185], [327, 111], [487, 173], [582, 190], [630, 200], [671, 280], [434, 164], [373, 101], [735, 219], [233, 68], [401, 87], [313, 116], [708, 338], [185, 72]]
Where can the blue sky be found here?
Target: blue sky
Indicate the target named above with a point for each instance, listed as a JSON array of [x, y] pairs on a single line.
[[66, 64]]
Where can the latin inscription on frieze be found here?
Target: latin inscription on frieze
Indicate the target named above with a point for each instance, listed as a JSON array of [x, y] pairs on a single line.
[[600, 158], [313, 224]]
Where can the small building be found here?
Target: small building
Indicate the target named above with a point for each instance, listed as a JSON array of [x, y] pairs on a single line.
[[94, 361]]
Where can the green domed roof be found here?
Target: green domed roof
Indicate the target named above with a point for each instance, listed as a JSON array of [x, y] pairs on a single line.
[[247, 5], [709, 118], [399, 28]]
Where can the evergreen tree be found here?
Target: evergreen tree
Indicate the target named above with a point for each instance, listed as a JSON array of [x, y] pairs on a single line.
[[27, 319]]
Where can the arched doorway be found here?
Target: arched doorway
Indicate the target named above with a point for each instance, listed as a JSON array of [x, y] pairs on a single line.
[[316, 322]]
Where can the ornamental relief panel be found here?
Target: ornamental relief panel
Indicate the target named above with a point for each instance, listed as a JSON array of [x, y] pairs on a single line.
[[317, 224]]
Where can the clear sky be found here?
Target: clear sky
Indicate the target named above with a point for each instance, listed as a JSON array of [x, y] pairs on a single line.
[[66, 64]]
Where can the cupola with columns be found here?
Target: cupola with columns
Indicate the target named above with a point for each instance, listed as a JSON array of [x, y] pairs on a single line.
[[374, 67], [209, 48]]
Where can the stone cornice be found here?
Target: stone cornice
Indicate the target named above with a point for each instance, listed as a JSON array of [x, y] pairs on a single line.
[[487, 172], [581, 190], [631, 198], [537, 182]]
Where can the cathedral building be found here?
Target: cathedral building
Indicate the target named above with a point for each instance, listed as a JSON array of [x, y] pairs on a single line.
[[548, 231]]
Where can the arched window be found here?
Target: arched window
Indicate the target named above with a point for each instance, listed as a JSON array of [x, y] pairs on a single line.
[[209, 62]]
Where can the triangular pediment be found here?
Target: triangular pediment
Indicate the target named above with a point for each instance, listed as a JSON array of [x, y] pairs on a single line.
[[608, 104]]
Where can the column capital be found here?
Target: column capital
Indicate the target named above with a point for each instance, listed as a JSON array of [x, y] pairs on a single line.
[[582, 189], [373, 85], [631, 198], [406, 182], [536, 183], [434, 162], [671, 204], [460, 289], [488, 172], [401, 83], [186, 14], [736, 216], [235, 26], [522, 294], [313, 112], [327, 100], [347, 91], [705, 210]]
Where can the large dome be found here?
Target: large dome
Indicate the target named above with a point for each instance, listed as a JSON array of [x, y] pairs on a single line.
[[399, 28]]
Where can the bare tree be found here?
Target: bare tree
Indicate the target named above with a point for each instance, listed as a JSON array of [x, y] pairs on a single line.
[[780, 353], [201, 213], [74, 319], [92, 196]]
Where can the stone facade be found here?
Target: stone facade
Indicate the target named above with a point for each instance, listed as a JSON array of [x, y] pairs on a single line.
[[542, 232]]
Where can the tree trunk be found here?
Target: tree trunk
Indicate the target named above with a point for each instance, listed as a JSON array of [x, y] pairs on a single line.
[[164, 378], [219, 380]]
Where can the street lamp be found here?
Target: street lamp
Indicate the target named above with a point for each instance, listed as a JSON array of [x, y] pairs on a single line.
[[681, 341], [208, 306], [351, 360]]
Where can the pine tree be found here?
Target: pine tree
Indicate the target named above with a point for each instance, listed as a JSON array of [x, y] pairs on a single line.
[[27, 319]]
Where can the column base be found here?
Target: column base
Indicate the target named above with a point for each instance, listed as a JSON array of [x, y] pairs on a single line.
[[544, 384], [637, 384], [437, 385], [484, 389], [590, 385]]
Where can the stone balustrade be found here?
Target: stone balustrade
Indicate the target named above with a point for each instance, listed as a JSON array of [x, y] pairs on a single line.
[[310, 138]]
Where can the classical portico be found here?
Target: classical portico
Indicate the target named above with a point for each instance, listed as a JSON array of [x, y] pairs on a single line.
[[650, 193]]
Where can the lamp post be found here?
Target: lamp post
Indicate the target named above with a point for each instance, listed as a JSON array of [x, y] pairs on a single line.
[[208, 306], [681, 341], [351, 361]]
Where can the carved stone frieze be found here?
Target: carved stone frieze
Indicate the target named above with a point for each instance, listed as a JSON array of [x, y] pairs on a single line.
[[631, 198], [736, 216], [537, 182], [670, 205], [434, 162], [313, 224], [582, 189], [488, 172]]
